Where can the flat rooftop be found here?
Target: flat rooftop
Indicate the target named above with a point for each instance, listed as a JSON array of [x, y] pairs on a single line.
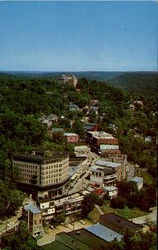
[[93, 241], [137, 179], [104, 163], [81, 148], [104, 232], [101, 134], [100, 169], [39, 158], [117, 222], [56, 245], [33, 208], [71, 242], [70, 134]]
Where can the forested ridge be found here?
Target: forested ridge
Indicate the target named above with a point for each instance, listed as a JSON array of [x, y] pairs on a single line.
[[137, 83], [24, 100]]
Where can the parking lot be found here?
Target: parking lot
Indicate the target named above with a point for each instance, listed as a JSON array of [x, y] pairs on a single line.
[[49, 235]]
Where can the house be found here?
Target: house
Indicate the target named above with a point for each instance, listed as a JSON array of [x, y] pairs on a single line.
[[148, 139], [71, 137], [138, 181], [111, 191], [82, 151], [56, 130], [94, 101], [118, 223], [136, 104], [48, 120], [34, 218], [69, 79], [99, 192], [91, 127], [93, 109], [73, 107]]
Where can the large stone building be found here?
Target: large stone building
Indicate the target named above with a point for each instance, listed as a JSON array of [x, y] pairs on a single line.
[[44, 175], [69, 79]]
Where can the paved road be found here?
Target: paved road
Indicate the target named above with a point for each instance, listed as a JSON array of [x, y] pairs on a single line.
[[98, 208], [81, 182], [142, 219], [49, 236]]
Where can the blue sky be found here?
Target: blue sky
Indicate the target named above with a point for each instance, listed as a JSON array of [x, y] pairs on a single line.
[[78, 36]]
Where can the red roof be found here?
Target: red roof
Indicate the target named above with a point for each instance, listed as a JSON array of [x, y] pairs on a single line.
[[99, 191]]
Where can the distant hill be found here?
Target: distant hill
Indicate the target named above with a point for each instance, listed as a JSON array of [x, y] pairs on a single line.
[[137, 82], [141, 83], [92, 75]]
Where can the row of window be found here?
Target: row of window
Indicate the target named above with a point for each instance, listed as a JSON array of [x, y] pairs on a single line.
[[51, 176], [21, 165], [51, 166], [52, 171]]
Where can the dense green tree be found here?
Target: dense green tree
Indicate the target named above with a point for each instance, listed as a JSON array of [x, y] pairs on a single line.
[[21, 240]]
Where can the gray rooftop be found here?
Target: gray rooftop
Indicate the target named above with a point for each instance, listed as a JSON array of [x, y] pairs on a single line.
[[104, 232], [33, 208], [107, 163], [101, 169], [137, 179]]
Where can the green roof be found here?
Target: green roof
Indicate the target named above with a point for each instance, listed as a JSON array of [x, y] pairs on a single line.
[[56, 245], [71, 242], [89, 239]]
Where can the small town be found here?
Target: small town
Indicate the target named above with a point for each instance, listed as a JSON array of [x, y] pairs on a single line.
[[78, 125], [76, 197]]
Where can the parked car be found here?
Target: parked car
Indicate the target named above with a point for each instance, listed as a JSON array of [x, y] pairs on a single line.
[[82, 222]]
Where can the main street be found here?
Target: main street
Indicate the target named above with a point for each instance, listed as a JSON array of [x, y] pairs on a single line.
[[80, 183]]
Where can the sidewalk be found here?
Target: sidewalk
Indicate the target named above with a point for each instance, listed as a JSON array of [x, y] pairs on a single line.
[[142, 219]]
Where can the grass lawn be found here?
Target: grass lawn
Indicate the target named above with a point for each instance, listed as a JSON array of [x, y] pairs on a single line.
[[126, 212], [94, 215]]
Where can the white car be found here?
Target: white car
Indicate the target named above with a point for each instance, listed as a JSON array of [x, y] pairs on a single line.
[[82, 222]]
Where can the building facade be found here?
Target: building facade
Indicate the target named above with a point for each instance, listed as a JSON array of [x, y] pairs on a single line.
[[43, 175], [100, 139], [69, 204], [71, 137], [69, 79], [33, 216]]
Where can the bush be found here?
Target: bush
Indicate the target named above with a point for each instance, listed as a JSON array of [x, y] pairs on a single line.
[[118, 202]]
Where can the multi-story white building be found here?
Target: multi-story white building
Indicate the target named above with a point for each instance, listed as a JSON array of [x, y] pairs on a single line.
[[107, 173], [69, 204], [43, 175], [102, 176], [82, 151]]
